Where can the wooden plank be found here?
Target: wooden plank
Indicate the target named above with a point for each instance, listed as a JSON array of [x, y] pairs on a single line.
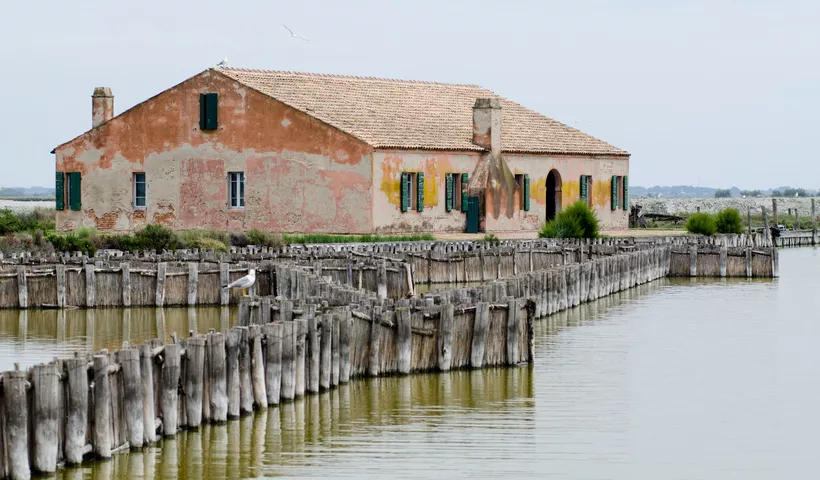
[[260, 398], [312, 347], [334, 351], [149, 429], [102, 411], [345, 328], [245, 389], [224, 279], [90, 285], [288, 389], [512, 331], [404, 342], [193, 282], [374, 361], [217, 374], [16, 428], [194, 380], [232, 371], [482, 320], [22, 287], [162, 269], [59, 271], [273, 361], [129, 360], [301, 334], [325, 347], [76, 410], [445, 336], [169, 386], [125, 268], [45, 381]]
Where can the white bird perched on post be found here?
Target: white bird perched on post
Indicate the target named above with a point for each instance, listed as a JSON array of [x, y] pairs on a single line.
[[244, 283]]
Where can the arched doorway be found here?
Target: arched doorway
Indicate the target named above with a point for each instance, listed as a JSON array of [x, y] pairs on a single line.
[[553, 194]]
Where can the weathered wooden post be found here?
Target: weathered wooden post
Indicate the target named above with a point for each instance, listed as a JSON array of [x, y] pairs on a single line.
[[217, 378], [193, 282], [445, 337], [334, 351], [194, 379], [244, 312], [404, 340], [16, 428], [90, 285], [76, 410], [59, 272], [162, 269], [273, 361], [312, 347], [45, 381], [129, 360], [301, 338], [102, 412], [22, 287], [345, 328], [245, 389], [260, 398], [149, 428], [767, 234], [169, 386], [288, 389], [232, 371], [482, 319], [325, 360], [512, 331], [774, 211], [381, 280], [724, 259], [224, 279], [373, 361]]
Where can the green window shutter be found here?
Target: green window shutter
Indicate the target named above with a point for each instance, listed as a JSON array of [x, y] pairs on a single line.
[[420, 194], [526, 193], [625, 201], [448, 188], [583, 187], [74, 191], [614, 192], [405, 191], [464, 180], [208, 106], [59, 191]]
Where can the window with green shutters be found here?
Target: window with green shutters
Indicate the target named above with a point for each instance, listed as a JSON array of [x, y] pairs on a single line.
[[208, 106], [614, 192], [74, 191], [583, 182], [464, 181], [405, 191], [625, 199], [526, 192], [60, 191], [449, 197], [420, 192]]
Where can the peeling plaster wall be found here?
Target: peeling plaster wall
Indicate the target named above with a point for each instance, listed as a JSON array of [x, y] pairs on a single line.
[[301, 175], [388, 165]]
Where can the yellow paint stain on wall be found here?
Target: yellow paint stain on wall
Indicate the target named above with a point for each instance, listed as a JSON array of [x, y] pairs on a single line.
[[391, 179], [570, 193], [601, 191], [538, 191], [434, 173]]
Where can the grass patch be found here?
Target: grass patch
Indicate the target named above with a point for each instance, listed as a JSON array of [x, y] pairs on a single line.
[[367, 238]]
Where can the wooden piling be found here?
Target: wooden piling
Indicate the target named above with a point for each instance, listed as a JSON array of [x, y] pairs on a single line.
[[312, 347], [217, 381], [288, 390], [325, 354], [345, 328], [90, 285], [125, 271], [224, 279], [149, 429], [76, 410], [260, 398], [334, 351], [512, 331], [301, 337], [16, 427], [45, 381], [774, 212], [102, 412], [245, 389], [445, 336], [194, 379], [244, 312], [232, 371], [129, 360], [162, 269], [482, 320], [22, 287], [169, 386], [59, 272], [373, 360], [193, 282], [273, 361], [404, 342]]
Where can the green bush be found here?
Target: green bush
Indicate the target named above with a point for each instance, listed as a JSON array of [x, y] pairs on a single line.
[[702, 224], [192, 237], [492, 239], [79, 241], [729, 221], [265, 239], [157, 237], [208, 243], [28, 221], [576, 221]]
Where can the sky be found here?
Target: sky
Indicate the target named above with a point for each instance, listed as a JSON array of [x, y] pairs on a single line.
[[704, 92]]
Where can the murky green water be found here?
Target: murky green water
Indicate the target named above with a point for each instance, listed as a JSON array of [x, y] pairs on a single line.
[[683, 380]]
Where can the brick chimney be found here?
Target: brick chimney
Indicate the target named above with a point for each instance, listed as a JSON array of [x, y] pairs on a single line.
[[487, 124], [102, 106]]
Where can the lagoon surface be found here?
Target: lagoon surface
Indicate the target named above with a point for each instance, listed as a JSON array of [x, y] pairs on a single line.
[[702, 379]]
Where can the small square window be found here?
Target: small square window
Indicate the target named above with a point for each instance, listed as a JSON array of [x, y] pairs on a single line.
[[236, 189], [139, 190]]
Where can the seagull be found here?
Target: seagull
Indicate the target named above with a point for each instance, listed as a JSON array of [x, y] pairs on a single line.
[[293, 34], [244, 283], [223, 63]]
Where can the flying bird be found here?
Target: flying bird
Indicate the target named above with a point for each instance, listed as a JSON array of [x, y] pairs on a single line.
[[244, 283], [223, 63], [293, 34]]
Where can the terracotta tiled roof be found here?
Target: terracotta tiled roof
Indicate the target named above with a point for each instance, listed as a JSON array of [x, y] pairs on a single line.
[[414, 114]]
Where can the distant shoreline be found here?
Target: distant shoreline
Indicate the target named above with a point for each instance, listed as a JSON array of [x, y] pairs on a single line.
[[29, 199]]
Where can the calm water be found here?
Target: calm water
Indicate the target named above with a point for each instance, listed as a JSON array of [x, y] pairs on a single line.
[[676, 380]]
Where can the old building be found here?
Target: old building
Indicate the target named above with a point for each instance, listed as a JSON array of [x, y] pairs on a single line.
[[235, 149]]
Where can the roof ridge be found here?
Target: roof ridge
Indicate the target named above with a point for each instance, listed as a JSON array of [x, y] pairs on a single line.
[[344, 77]]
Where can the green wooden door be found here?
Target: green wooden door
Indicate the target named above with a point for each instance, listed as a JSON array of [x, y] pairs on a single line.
[[472, 215]]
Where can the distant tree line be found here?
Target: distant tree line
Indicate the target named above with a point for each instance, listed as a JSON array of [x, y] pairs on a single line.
[[788, 192]]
